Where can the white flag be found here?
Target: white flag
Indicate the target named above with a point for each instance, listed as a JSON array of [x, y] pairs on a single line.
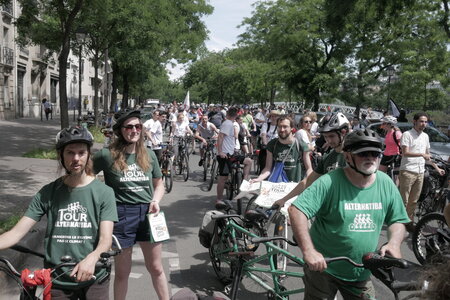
[[187, 102], [393, 108]]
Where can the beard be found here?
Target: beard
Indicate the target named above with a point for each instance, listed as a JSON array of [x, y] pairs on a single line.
[[369, 168], [283, 136]]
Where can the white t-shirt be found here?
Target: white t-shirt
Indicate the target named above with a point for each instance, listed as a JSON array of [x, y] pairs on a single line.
[[229, 140], [417, 143], [207, 132], [237, 145], [303, 135], [271, 134], [156, 131], [260, 116], [181, 128], [315, 128]]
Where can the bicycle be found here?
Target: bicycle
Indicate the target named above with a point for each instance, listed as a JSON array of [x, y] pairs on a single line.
[[435, 188], [209, 157], [167, 167], [235, 177], [431, 238], [182, 159], [233, 261], [28, 290]]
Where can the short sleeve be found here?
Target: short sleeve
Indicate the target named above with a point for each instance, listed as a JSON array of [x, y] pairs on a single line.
[[310, 201], [405, 140]]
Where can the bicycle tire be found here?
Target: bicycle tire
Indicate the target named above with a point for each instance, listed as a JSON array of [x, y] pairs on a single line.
[[168, 175], [238, 181], [280, 229], [213, 173], [179, 165], [206, 163], [426, 233], [185, 167], [229, 186], [221, 245]]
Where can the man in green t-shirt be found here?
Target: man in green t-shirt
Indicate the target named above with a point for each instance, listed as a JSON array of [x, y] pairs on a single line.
[[286, 148], [350, 206], [334, 127], [81, 212]]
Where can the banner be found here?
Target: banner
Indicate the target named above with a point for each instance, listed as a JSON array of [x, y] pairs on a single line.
[[187, 102]]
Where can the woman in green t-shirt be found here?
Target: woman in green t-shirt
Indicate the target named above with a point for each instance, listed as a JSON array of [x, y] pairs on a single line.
[[132, 170]]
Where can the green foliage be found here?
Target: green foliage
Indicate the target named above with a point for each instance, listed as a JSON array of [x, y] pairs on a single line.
[[9, 223], [99, 137], [41, 153]]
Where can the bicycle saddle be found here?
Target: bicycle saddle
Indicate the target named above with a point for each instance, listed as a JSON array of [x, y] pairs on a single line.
[[254, 215]]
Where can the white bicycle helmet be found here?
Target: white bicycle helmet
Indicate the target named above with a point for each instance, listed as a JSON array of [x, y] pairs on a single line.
[[333, 122], [389, 119]]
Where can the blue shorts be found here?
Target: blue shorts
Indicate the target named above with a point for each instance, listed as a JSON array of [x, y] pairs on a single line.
[[133, 225]]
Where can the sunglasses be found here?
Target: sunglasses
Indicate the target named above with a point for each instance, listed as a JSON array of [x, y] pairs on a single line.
[[374, 154], [307, 122], [130, 127]]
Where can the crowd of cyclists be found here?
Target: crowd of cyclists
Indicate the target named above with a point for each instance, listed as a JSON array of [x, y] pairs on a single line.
[[334, 160]]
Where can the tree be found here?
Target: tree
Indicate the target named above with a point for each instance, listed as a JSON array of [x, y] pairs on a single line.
[[51, 23]]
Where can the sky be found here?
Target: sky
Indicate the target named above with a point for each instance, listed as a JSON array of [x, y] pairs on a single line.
[[222, 25]]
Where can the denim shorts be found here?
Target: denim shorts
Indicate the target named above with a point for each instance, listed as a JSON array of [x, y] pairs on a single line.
[[133, 225]]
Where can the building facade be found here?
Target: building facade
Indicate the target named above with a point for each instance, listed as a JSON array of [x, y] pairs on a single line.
[[30, 74]]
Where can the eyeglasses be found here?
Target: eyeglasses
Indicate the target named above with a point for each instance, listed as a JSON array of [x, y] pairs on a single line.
[[130, 127], [307, 122], [374, 154]]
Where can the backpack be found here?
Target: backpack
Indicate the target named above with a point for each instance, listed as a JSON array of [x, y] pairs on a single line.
[[206, 231]]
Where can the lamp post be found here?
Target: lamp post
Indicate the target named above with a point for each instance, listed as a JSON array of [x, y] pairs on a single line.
[[80, 39], [390, 72]]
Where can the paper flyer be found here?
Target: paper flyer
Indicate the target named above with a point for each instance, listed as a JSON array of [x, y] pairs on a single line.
[[273, 191], [246, 186], [158, 227]]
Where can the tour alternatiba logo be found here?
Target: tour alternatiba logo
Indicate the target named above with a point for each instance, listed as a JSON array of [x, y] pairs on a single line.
[[74, 216], [134, 173]]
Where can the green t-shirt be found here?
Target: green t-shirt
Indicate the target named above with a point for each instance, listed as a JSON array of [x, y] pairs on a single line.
[[292, 164], [348, 219], [133, 186], [73, 222], [248, 120], [330, 161]]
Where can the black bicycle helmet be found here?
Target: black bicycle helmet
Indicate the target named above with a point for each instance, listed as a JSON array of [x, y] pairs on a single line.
[[333, 122], [73, 135], [124, 115], [363, 140]]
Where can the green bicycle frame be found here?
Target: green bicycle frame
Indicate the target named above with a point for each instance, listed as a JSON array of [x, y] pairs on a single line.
[[232, 255]]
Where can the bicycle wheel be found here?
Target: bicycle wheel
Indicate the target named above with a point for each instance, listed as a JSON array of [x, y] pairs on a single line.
[[179, 164], [229, 186], [426, 240], [206, 163], [213, 173], [221, 245], [168, 175], [280, 228], [239, 177], [185, 167]]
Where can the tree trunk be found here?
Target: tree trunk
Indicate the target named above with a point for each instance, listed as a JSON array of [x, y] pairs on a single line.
[[95, 63], [63, 105], [126, 90], [114, 75]]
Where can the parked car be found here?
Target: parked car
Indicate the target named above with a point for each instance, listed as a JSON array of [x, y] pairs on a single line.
[[439, 142]]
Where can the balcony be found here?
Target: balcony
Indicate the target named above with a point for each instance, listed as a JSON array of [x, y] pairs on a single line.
[[8, 56]]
